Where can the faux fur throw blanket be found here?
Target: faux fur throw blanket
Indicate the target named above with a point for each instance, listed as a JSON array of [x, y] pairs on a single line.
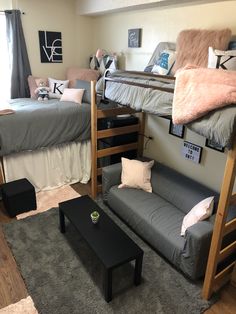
[[198, 91]]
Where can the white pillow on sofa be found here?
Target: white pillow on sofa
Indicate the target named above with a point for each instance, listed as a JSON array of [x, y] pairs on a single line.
[[199, 212], [136, 174]]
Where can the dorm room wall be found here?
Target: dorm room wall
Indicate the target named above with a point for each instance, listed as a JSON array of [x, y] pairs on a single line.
[[111, 33], [58, 16]]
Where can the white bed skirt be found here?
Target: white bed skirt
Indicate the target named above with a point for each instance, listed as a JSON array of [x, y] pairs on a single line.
[[49, 168]]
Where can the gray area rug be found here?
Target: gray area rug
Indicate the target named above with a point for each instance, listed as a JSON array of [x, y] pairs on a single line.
[[63, 276]]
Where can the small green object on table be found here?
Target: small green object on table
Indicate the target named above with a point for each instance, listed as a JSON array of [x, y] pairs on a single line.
[[95, 216]]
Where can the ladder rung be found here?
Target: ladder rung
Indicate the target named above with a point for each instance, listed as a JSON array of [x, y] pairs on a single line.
[[116, 149], [225, 252], [233, 199], [99, 188], [220, 277], [114, 112], [117, 131], [229, 226]]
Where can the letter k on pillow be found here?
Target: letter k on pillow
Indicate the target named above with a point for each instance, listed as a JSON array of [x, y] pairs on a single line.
[[57, 87]]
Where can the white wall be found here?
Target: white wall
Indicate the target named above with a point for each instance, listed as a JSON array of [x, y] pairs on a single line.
[[164, 25]]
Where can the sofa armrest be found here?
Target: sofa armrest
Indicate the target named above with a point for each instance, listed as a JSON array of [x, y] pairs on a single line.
[[196, 248], [111, 175]]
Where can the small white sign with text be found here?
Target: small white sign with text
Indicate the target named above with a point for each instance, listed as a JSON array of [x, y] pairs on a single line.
[[192, 152]]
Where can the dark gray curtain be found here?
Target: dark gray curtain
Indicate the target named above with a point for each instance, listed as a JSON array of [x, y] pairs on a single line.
[[20, 67]]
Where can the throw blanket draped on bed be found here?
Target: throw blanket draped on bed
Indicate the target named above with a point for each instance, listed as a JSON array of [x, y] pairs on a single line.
[[218, 125], [199, 91], [5, 109], [38, 124]]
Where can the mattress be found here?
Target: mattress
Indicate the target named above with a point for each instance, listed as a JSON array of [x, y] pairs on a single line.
[[37, 124]]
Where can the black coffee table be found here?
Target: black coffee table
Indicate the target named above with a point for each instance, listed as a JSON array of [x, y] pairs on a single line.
[[110, 243]]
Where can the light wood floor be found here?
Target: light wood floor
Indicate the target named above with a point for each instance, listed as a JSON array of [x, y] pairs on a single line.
[[12, 287]]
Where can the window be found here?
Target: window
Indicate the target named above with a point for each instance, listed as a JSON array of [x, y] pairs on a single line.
[[4, 61]]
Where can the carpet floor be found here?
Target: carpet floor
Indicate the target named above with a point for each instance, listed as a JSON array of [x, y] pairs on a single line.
[[63, 276]]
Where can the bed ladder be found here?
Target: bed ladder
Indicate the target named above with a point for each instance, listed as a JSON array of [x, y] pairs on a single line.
[[96, 135], [214, 279]]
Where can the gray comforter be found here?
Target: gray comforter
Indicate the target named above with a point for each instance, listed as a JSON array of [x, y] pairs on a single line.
[[218, 125], [38, 124]]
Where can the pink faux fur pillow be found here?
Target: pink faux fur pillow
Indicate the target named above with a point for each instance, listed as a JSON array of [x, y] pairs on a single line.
[[192, 46], [76, 73]]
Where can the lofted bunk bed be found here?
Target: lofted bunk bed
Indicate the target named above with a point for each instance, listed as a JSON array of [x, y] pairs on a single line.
[[142, 92]]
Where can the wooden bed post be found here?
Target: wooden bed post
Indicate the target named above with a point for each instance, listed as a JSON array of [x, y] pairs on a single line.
[[93, 140], [221, 228]]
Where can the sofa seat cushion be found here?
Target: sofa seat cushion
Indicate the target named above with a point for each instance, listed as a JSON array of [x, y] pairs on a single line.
[[152, 217]]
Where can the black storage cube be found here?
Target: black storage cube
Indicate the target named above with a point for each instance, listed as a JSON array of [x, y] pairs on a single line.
[[18, 197]]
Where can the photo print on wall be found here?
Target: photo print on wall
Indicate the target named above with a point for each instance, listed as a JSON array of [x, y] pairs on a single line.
[[50, 47], [134, 38]]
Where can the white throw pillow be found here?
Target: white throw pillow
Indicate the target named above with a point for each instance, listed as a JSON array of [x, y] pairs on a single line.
[[199, 212], [136, 174], [73, 94], [225, 60], [165, 62], [57, 87]]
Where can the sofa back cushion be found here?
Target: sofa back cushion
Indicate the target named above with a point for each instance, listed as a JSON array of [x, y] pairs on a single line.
[[178, 189]]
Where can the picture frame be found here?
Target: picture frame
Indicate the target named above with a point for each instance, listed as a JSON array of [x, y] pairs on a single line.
[[50, 45], [192, 152], [134, 38], [213, 145], [176, 129]]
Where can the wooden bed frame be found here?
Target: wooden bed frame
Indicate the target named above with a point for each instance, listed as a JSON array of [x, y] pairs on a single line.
[[213, 279]]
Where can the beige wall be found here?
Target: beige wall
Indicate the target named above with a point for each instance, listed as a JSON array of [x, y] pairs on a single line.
[[164, 25], [58, 16]]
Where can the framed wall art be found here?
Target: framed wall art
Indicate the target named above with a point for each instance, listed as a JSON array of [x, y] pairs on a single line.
[[176, 129], [50, 44], [213, 145], [134, 38]]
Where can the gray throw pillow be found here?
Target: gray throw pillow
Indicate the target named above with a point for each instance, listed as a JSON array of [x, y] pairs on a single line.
[[87, 90]]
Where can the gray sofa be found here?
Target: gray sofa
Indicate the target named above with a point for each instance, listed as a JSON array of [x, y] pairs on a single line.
[[157, 217]]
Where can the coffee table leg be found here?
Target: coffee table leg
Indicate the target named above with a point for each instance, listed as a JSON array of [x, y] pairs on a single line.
[[108, 285], [62, 221], [138, 270]]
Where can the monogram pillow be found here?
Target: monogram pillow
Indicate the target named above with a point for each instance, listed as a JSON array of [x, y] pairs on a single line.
[[57, 87], [225, 60]]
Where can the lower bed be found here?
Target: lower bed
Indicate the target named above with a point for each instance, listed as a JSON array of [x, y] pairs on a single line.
[[49, 168], [46, 142]]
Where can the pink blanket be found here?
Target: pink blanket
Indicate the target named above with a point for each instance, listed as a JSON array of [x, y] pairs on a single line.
[[198, 91]]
